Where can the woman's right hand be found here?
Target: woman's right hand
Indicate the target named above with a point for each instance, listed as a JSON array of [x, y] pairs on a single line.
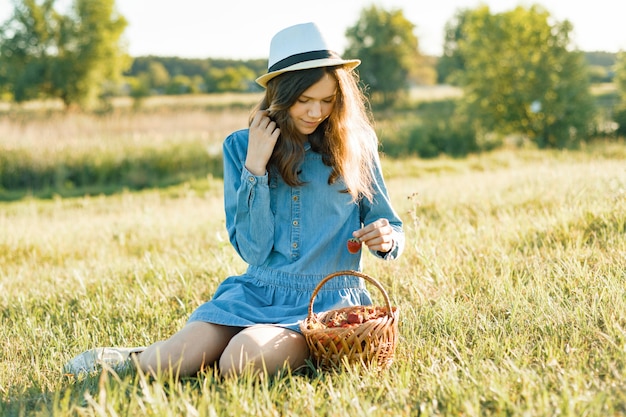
[[262, 139]]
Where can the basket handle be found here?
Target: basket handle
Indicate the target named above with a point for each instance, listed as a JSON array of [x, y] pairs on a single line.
[[355, 273]]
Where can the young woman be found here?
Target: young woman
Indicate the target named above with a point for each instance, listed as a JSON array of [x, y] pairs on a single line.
[[301, 181]]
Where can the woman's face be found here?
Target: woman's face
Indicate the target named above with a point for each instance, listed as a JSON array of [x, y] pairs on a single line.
[[314, 105]]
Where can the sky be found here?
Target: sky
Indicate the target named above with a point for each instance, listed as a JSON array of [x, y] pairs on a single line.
[[242, 29]]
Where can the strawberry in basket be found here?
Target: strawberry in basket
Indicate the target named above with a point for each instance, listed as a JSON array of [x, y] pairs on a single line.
[[358, 315]]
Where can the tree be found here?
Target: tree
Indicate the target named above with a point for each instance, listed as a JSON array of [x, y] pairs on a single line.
[[620, 83], [158, 76], [68, 57], [236, 79], [521, 77], [154, 80], [26, 41], [451, 62], [179, 84], [385, 43], [620, 75]]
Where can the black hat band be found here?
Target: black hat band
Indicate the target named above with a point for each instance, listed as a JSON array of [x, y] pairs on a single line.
[[302, 57]]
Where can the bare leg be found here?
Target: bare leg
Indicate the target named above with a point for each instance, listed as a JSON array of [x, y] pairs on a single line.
[[263, 348], [195, 346]]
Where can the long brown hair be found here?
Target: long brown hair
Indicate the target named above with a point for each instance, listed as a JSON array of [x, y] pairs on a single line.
[[346, 139]]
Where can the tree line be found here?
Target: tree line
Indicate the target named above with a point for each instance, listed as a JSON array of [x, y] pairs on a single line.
[[519, 73], [152, 74]]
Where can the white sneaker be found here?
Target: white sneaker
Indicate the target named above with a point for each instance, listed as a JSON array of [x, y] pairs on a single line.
[[94, 360]]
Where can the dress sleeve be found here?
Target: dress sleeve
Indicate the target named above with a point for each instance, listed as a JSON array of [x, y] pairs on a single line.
[[380, 208], [249, 218]]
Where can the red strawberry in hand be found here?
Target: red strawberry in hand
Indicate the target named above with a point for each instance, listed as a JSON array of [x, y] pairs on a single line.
[[354, 245]]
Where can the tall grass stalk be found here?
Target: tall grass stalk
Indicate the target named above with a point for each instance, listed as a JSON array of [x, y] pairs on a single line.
[[512, 293]]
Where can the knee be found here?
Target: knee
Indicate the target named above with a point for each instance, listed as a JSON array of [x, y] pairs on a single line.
[[242, 351], [263, 349], [195, 346]]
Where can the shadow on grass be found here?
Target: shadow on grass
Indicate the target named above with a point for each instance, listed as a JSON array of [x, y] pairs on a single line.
[[35, 400], [8, 196], [165, 168], [108, 390]]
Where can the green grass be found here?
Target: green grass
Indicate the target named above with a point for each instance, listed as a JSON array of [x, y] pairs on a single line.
[[512, 293]]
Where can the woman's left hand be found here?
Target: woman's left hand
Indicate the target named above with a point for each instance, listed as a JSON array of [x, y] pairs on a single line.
[[377, 236]]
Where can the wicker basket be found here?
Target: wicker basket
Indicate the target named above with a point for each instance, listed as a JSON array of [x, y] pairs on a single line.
[[371, 343]]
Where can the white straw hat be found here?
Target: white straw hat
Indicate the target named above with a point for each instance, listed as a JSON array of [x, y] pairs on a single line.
[[301, 47]]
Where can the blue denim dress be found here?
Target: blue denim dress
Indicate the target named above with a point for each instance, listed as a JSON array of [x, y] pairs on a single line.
[[291, 238]]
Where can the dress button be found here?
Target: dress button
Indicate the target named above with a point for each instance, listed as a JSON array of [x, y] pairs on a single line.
[[295, 222], [295, 198], [251, 179], [294, 245]]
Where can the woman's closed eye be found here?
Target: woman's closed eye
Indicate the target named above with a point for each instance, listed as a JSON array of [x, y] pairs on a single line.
[[326, 100]]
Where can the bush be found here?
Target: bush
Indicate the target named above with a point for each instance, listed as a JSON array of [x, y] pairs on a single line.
[[620, 118], [431, 130]]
